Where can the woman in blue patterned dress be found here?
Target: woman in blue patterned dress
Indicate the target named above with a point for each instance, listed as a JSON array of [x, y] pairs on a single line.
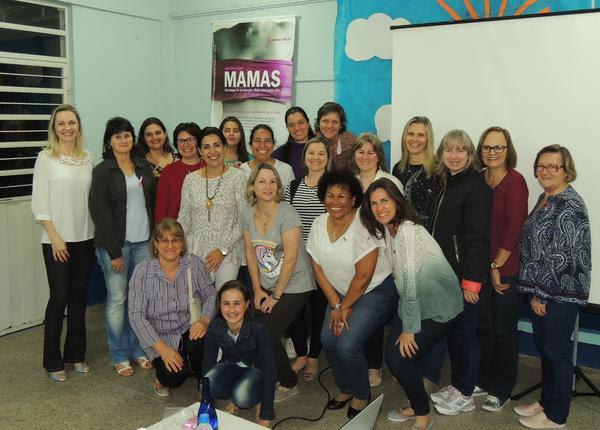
[[555, 271]]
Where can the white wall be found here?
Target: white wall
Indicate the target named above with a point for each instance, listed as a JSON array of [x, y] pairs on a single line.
[[193, 50]]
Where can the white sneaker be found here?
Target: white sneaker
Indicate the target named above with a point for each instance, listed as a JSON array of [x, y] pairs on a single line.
[[289, 348], [455, 404], [478, 391], [443, 394], [493, 403]]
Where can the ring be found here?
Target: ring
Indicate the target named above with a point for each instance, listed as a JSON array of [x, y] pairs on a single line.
[[341, 324]]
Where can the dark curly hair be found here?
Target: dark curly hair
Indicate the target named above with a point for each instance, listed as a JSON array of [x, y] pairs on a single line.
[[343, 178]]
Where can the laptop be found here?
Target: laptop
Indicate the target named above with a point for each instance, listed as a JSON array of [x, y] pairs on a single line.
[[365, 420]]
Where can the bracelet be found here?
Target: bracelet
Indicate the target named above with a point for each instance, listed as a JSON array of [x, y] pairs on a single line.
[[274, 297], [336, 307]]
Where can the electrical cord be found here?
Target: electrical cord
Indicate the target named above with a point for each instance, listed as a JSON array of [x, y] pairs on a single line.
[[307, 418]]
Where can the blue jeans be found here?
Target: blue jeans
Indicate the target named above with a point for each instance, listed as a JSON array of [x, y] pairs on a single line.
[[552, 337], [241, 384], [345, 352], [464, 349], [123, 345]]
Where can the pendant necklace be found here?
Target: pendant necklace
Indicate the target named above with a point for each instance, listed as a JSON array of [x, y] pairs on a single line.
[[334, 236], [209, 199]]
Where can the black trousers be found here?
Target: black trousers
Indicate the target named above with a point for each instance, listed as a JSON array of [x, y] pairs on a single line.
[[67, 282], [498, 320], [277, 322], [316, 306], [191, 353]]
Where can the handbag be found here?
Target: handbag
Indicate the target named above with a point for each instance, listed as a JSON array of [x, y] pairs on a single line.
[[194, 302]]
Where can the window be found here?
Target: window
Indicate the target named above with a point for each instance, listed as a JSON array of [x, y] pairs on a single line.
[[34, 79]]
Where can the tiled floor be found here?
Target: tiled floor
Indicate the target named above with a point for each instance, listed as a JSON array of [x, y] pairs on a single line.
[[103, 400]]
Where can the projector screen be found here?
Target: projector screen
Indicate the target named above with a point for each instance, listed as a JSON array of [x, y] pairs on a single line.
[[539, 77]]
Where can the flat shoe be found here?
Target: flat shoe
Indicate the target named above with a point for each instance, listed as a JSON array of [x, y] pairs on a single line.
[[160, 390], [351, 413], [81, 367], [58, 376], [337, 404], [144, 363]]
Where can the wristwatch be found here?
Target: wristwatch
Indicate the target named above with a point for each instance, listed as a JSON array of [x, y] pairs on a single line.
[[495, 266], [224, 252]]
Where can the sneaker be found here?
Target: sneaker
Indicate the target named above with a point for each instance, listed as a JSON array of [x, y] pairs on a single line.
[[493, 403], [282, 393], [396, 416], [289, 348], [430, 386], [540, 421], [478, 391], [443, 394], [528, 410], [455, 404]]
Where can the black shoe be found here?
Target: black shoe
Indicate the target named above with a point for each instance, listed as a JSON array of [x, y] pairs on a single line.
[[337, 404], [354, 412]]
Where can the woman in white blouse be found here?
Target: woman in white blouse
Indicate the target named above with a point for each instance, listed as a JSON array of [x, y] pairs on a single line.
[[211, 201], [61, 183], [262, 143], [355, 276], [430, 296], [369, 161]]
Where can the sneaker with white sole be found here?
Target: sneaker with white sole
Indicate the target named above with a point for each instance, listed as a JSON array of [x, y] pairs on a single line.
[[493, 403], [478, 391], [443, 394], [282, 393], [455, 404], [396, 416]]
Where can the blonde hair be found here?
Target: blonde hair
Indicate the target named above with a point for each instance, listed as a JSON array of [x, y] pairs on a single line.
[[461, 138], [371, 138], [430, 159], [53, 142], [250, 195]]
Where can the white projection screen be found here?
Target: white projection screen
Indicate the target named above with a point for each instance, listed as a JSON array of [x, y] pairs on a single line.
[[538, 76]]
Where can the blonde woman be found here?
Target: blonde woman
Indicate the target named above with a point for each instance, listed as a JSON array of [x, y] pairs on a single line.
[[61, 182]]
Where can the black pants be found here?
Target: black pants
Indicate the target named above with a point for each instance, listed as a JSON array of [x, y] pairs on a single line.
[[407, 370], [316, 306], [498, 320], [191, 353], [67, 283], [374, 349], [277, 322]]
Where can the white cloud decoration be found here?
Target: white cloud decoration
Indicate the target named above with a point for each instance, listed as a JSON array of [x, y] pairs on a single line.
[[383, 122], [368, 38]]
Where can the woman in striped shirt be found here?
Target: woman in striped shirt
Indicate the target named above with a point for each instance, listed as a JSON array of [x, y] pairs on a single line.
[[302, 195]]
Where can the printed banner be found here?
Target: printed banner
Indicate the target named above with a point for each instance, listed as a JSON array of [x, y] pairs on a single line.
[[252, 72]]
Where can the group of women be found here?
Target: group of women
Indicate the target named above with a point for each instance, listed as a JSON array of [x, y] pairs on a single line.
[[328, 248]]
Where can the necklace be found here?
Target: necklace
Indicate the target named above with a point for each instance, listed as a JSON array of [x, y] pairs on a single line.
[[262, 218], [209, 199], [334, 235]]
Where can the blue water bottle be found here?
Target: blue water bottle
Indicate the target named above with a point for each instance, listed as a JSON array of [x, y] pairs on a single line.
[[207, 403]]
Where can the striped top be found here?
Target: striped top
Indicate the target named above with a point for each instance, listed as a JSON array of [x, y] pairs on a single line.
[[159, 308], [307, 204]]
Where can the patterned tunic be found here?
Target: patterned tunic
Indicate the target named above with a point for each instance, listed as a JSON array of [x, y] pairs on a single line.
[[556, 260]]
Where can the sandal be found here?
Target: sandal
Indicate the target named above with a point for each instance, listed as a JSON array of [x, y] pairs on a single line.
[[311, 370], [124, 369], [160, 390], [58, 376], [144, 363], [81, 367]]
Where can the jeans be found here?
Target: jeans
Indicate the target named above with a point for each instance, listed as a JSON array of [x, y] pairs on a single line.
[[345, 352], [406, 370], [498, 320], [433, 361], [191, 353], [241, 384], [277, 322], [315, 308], [67, 282], [464, 349], [552, 337], [122, 342]]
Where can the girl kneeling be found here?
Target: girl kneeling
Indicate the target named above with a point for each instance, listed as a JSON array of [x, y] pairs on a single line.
[[246, 373]]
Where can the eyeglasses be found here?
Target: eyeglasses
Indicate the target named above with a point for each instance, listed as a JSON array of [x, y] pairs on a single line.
[[175, 241], [550, 168], [499, 149], [185, 141]]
